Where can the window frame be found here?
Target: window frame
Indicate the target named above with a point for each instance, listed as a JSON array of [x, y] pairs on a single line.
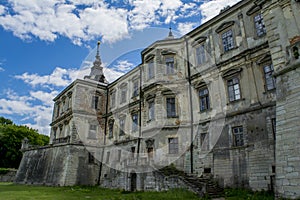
[[170, 64], [113, 99], [150, 69], [122, 121], [173, 145], [268, 76], [111, 129], [200, 58], [135, 88], [151, 110], [123, 95], [238, 137], [236, 77], [92, 132], [95, 102], [135, 125], [261, 22], [204, 97], [225, 48], [173, 108]]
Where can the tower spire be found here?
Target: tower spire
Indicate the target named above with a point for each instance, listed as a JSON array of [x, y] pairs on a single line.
[[96, 73]]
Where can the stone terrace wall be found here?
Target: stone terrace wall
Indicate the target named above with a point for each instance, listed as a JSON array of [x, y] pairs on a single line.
[[60, 165]]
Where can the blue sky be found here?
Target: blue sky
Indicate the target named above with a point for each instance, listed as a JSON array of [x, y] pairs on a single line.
[[47, 44]]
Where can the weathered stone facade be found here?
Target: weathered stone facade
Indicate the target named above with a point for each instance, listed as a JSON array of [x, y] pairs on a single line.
[[207, 102]]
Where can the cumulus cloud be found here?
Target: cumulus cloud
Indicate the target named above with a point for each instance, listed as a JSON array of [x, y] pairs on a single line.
[[1, 69], [123, 66], [184, 28], [85, 20], [23, 106], [212, 8]]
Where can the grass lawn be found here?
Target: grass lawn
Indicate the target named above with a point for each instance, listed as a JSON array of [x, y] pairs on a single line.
[[10, 191]]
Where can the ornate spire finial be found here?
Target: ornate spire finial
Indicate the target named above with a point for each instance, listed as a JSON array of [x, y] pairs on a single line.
[[98, 47], [170, 32]]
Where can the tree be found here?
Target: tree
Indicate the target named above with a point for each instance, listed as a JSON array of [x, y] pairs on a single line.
[[11, 137]]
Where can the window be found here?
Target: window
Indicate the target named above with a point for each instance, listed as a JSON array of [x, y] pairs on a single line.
[[135, 122], [119, 154], [135, 88], [270, 80], [200, 55], [171, 107], [233, 89], [92, 131], [173, 145], [151, 110], [122, 126], [111, 129], [123, 95], [132, 151], [58, 110], [204, 99], [274, 127], [91, 158], [113, 100], [259, 25], [238, 137], [150, 69], [204, 141], [95, 101], [170, 65], [107, 156], [227, 40]]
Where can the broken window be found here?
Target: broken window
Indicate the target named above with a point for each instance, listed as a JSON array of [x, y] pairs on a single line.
[[270, 80], [234, 92], [259, 25], [238, 137]]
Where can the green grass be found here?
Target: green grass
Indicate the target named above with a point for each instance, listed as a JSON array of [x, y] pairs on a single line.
[[243, 194], [9, 191]]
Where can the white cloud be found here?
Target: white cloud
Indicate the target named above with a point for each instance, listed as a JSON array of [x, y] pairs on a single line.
[[24, 107], [85, 20], [123, 66], [184, 28], [212, 8], [1, 69]]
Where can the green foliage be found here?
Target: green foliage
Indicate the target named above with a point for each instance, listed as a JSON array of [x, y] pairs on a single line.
[[4, 170], [11, 137], [4, 121], [171, 170], [241, 194]]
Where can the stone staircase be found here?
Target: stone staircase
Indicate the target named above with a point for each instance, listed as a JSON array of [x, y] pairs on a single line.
[[204, 186]]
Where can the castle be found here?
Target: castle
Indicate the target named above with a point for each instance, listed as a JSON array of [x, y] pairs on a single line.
[[221, 101]]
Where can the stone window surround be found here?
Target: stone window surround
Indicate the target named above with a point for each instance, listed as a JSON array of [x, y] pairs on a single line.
[[122, 125], [200, 42], [229, 75], [113, 99], [135, 126], [238, 136], [123, 93], [204, 97], [111, 128], [150, 99], [150, 66], [252, 12], [223, 29], [169, 58]]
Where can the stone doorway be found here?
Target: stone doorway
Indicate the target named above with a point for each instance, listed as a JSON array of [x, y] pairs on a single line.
[[133, 181]]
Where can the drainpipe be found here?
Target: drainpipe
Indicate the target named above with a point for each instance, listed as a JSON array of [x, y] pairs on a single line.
[[191, 104], [104, 140], [140, 118]]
